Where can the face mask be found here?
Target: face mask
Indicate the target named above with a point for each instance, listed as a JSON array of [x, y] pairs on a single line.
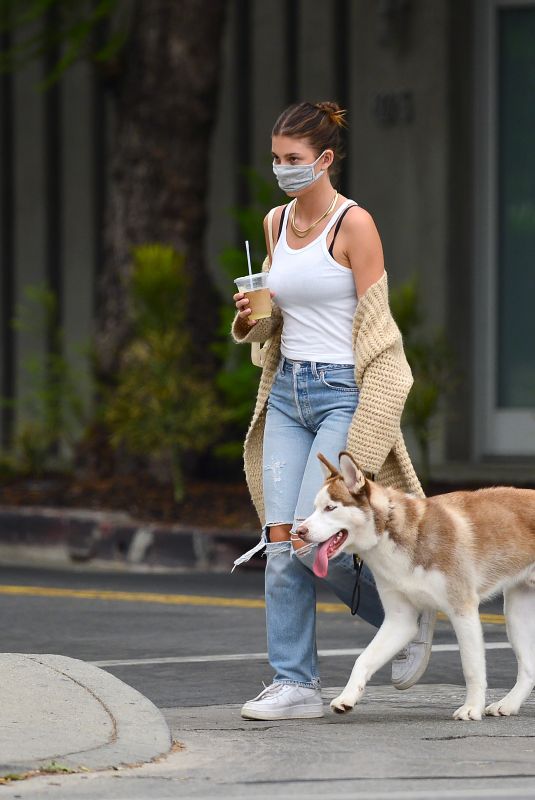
[[293, 178]]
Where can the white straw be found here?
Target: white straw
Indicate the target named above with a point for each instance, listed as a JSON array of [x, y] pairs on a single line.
[[249, 263]]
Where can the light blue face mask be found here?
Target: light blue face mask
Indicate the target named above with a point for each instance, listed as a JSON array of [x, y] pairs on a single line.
[[294, 177]]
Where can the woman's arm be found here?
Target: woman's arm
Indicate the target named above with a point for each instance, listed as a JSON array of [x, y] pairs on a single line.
[[245, 330], [242, 333], [375, 427], [383, 374], [359, 247]]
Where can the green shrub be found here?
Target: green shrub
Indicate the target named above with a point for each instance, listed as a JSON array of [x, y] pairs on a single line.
[[431, 361], [51, 413], [161, 406]]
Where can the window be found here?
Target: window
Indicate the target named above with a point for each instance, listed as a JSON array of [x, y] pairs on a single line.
[[504, 292]]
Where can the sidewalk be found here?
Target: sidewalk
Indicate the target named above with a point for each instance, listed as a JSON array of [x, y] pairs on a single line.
[[114, 539], [393, 746], [59, 712]]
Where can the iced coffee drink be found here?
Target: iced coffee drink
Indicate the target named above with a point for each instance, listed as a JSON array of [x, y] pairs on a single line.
[[255, 289]]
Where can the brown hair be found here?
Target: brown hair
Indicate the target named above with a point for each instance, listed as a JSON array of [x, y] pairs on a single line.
[[319, 123]]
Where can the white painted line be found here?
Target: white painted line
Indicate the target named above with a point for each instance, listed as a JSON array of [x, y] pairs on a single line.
[[356, 651], [448, 648], [181, 660]]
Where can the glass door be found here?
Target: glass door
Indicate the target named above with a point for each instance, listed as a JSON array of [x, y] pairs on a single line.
[[505, 230]]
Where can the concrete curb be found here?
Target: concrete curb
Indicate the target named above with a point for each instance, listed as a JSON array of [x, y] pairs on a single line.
[[69, 536], [65, 710]]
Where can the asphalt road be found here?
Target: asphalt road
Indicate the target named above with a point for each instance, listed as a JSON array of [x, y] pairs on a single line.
[[195, 645], [188, 648]]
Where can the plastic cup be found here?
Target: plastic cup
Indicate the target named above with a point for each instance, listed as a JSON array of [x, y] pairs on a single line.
[[255, 289]]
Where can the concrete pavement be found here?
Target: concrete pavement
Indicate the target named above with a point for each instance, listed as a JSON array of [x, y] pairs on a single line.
[[109, 539], [62, 711], [395, 745]]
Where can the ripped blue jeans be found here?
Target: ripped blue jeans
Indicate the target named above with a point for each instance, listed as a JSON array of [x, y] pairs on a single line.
[[309, 410]]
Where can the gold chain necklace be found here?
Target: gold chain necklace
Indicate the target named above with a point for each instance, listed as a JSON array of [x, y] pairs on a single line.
[[301, 233]]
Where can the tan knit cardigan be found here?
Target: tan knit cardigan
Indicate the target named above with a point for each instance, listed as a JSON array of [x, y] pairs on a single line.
[[383, 377]]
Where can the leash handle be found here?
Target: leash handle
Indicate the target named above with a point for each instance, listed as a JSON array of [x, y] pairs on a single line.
[[355, 598]]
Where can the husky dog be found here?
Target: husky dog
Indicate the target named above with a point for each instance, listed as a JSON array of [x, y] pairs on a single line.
[[447, 552]]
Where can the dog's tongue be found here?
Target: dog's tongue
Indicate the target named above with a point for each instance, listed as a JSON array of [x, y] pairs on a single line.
[[321, 562]]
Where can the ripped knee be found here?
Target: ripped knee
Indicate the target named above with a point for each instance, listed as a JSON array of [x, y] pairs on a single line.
[[279, 532]]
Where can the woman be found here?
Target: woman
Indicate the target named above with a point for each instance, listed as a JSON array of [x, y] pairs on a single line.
[[334, 378]]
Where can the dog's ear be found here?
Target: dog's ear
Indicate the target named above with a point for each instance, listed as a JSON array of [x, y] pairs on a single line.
[[329, 470], [353, 476]]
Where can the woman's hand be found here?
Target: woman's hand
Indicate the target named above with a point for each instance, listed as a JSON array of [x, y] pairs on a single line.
[[242, 304]]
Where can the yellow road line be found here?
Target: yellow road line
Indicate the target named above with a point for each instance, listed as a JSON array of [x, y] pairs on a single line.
[[180, 599], [489, 619], [132, 597], [493, 619], [151, 597]]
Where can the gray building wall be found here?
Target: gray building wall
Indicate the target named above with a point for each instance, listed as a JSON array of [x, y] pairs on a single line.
[[397, 98], [50, 220], [393, 76]]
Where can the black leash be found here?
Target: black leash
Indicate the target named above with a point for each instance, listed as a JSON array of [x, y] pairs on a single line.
[[358, 563], [355, 598]]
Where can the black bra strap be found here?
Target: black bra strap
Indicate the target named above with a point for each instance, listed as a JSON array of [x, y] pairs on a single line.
[[282, 222], [337, 226]]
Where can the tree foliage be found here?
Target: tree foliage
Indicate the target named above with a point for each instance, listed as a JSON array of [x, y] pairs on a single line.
[[161, 405], [432, 364], [68, 30], [51, 412]]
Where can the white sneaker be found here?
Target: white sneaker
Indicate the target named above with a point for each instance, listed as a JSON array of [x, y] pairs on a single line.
[[284, 701], [410, 664]]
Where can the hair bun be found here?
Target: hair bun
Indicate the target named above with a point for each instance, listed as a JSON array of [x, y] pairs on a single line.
[[334, 112]]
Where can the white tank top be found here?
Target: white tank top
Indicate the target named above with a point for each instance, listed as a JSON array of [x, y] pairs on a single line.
[[317, 298]]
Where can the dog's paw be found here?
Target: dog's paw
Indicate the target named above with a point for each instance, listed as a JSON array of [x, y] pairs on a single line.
[[341, 704], [468, 712], [502, 709]]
